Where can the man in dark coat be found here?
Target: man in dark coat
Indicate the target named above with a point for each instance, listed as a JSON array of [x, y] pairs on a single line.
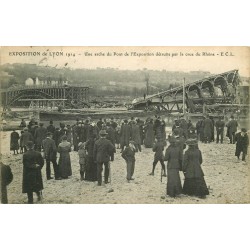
[[50, 151], [184, 126], [25, 137], [22, 124], [219, 130], [110, 136], [40, 135], [33, 128], [113, 123], [99, 124], [6, 179], [86, 131], [232, 129], [125, 134], [51, 128], [103, 149], [199, 129], [242, 142], [208, 127], [158, 148], [135, 135], [32, 175], [129, 156], [149, 134]]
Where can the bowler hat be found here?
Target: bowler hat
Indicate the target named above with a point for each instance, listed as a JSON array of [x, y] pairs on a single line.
[[132, 142], [243, 130], [191, 141], [171, 139], [102, 132], [30, 144]]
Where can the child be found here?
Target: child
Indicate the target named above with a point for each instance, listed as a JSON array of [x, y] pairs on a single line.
[[242, 143], [82, 152], [129, 156], [173, 156], [158, 148]]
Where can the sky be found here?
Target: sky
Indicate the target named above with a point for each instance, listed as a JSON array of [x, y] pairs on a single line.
[[213, 59]]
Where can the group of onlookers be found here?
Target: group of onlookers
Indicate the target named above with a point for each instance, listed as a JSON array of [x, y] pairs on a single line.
[[97, 142]]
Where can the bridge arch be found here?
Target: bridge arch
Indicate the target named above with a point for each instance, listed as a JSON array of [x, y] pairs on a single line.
[[207, 88], [32, 94], [193, 91], [221, 84]]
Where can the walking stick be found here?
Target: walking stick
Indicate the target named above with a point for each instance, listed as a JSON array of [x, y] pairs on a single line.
[[161, 174]]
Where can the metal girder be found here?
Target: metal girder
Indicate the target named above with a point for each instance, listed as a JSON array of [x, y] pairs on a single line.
[[200, 92]]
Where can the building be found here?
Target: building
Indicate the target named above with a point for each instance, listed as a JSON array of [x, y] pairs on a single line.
[[52, 81]]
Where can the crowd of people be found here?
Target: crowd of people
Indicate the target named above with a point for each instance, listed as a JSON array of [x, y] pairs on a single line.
[[96, 143]]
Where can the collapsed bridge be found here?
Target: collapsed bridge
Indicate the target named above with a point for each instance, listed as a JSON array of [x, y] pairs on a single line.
[[213, 90]]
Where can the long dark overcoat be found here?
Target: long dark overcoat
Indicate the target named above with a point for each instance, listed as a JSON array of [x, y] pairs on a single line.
[[14, 137], [49, 148], [242, 143], [125, 134], [25, 137], [32, 175], [135, 134], [103, 149], [158, 148], [149, 135], [40, 135], [208, 127]]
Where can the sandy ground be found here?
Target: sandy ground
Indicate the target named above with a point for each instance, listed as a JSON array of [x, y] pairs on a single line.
[[228, 180]]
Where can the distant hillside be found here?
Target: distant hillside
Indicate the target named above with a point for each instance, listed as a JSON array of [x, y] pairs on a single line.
[[101, 80]]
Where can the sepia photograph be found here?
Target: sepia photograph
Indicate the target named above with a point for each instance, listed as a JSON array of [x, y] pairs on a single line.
[[124, 125]]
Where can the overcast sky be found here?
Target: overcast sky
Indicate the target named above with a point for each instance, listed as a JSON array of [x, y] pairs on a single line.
[[170, 60]]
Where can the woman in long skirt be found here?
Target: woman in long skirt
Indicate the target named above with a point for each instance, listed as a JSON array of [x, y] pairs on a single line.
[[173, 156], [194, 183], [149, 134], [64, 160], [14, 145]]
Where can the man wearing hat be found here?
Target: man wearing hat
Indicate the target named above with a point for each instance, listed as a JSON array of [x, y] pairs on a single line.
[[51, 128], [103, 149], [232, 129], [32, 175], [125, 134], [158, 148], [242, 142], [220, 124], [50, 151], [25, 137], [110, 133], [129, 156], [40, 135]]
